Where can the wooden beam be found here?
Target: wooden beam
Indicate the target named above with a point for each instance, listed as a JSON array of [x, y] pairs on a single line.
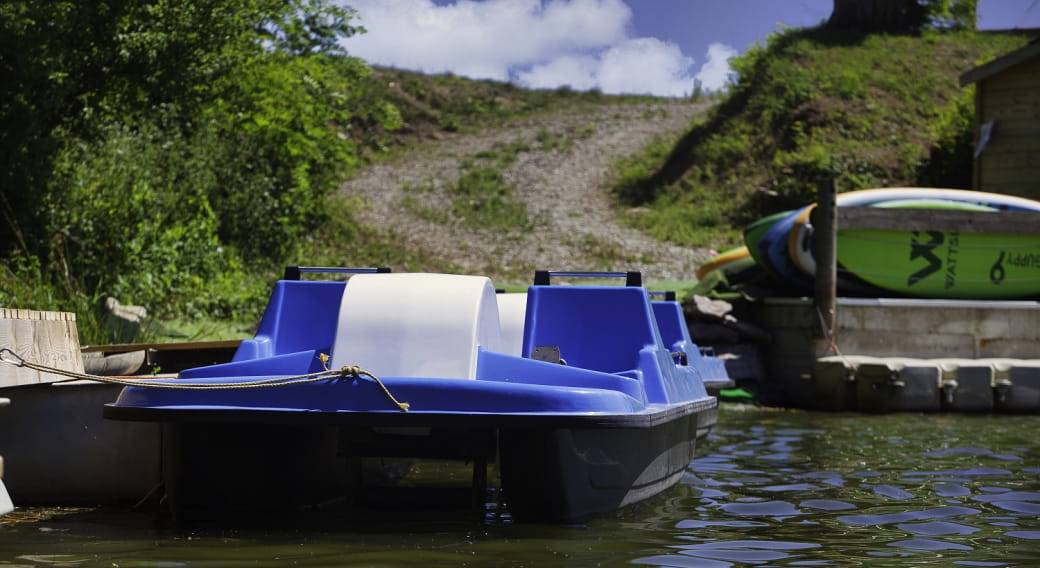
[[47, 338], [181, 346], [878, 218], [826, 258]]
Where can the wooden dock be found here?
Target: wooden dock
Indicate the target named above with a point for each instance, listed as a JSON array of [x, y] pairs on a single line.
[[47, 338], [887, 328], [57, 448], [815, 339]]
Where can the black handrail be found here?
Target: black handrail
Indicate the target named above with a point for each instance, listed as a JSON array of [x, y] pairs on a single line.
[[296, 272], [632, 277]]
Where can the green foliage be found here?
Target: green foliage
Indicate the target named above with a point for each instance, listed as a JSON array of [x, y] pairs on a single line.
[[952, 14], [130, 218], [311, 26], [339, 241], [280, 135], [949, 163], [810, 106], [156, 151], [481, 197], [27, 283]]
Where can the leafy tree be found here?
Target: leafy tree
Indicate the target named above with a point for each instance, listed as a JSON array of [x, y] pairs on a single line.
[[150, 147], [65, 64], [312, 26]]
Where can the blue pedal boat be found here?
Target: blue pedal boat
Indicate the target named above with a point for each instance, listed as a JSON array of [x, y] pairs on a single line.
[[568, 394]]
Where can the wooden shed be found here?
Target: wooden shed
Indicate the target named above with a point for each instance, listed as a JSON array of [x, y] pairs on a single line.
[[1007, 122]]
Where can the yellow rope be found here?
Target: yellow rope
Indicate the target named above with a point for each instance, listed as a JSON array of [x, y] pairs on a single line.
[[354, 372]]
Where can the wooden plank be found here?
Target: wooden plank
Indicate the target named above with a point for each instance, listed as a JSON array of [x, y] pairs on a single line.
[[1014, 127], [1014, 160], [180, 346], [826, 256], [876, 218], [1022, 177], [1010, 143], [1013, 112], [1026, 96], [1024, 75], [47, 338], [1030, 191]]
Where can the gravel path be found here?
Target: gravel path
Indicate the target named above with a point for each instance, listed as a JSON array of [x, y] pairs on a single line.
[[564, 189]]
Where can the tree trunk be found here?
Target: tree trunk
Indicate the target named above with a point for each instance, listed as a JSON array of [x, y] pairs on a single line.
[[873, 15]]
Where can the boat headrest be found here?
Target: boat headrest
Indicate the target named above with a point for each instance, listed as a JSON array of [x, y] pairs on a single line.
[[512, 309], [416, 324]]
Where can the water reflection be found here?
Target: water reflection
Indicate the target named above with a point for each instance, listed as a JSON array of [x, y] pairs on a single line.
[[768, 488], [818, 489]]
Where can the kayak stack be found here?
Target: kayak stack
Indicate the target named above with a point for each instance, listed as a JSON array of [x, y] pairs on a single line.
[[925, 260]]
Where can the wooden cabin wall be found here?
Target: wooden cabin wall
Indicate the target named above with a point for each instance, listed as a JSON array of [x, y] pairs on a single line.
[[1010, 161]]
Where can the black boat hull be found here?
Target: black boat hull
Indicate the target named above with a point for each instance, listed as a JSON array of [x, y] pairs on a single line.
[[554, 474]]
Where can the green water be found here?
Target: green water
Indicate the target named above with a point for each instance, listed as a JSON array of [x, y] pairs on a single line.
[[768, 488]]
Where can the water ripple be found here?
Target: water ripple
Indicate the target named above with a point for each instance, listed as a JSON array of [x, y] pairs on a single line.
[[971, 452], [890, 518], [927, 544], [890, 492], [870, 489], [937, 528]]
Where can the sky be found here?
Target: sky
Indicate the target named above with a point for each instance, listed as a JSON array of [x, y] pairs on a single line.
[[656, 47]]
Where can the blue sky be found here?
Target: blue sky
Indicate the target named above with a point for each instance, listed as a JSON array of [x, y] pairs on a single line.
[[660, 47]]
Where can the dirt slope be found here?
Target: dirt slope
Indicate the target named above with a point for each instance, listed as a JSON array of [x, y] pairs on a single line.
[[564, 190]]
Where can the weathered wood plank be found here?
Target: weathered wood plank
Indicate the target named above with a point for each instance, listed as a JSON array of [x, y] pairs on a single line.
[[1014, 160], [1019, 177], [181, 346], [876, 218], [1029, 192], [1023, 75], [47, 338], [1008, 143], [1014, 127]]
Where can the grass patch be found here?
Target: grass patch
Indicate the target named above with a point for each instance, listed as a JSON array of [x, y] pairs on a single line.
[[482, 199]]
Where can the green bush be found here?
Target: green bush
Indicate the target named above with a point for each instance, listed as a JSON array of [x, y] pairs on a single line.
[[130, 217], [281, 144]]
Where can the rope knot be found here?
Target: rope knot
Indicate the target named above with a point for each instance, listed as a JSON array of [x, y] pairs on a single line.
[[353, 371]]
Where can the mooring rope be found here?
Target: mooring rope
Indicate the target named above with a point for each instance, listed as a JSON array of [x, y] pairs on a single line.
[[832, 344], [353, 372]]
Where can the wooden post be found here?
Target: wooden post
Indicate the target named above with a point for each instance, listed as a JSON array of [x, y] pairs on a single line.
[[826, 234], [47, 338]]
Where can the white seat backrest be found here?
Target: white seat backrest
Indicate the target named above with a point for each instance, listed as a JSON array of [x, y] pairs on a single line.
[[416, 324], [512, 309]]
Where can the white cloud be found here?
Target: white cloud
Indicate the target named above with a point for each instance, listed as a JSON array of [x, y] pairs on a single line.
[[715, 73], [541, 44], [634, 66], [575, 71], [646, 66]]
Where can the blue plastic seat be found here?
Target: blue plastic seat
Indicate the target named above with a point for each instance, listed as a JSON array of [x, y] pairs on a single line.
[[603, 328], [300, 316]]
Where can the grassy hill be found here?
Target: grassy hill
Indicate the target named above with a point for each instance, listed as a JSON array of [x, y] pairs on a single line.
[[811, 105]]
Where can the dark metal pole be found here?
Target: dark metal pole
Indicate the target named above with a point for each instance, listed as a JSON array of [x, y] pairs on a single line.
[[825, 221]]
